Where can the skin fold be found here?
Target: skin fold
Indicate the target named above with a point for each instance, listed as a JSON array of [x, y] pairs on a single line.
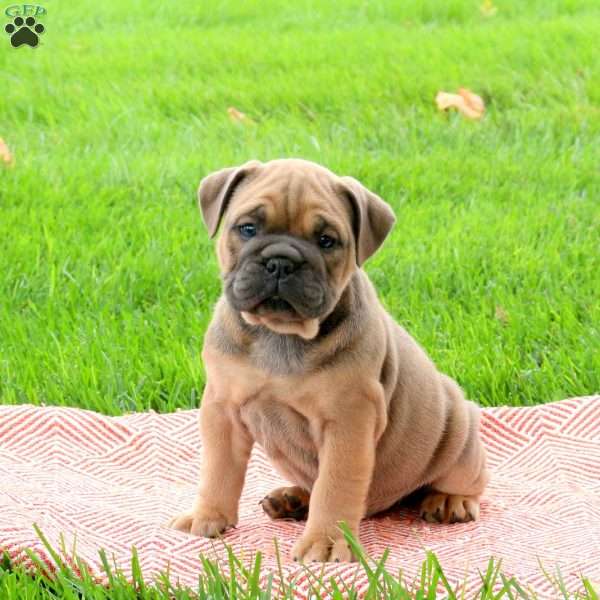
[[302, 358]]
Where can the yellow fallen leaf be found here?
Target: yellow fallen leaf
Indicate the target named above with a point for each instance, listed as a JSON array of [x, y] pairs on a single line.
[[238, 116], [5, 156], [487, 9], [466, 102], [473, 101], [501, 315]]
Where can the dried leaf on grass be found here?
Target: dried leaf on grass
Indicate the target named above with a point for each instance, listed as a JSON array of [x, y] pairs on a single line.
[[487, 9], [466, 102], [5, 156], [501, 315], [238, 116]]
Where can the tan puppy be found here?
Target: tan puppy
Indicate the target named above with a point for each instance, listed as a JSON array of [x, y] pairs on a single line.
[[302, 358]]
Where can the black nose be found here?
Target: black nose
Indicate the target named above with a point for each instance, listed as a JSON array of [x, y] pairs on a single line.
[[280, 267]]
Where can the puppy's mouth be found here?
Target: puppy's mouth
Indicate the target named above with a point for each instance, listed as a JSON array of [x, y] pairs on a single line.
[[280, 316], [278, 309]]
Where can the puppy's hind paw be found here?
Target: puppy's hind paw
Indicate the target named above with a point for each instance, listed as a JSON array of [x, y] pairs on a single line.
[[286, 503], [438, 507]]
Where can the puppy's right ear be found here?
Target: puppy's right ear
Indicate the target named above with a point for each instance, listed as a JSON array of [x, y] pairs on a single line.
[[215, 192]]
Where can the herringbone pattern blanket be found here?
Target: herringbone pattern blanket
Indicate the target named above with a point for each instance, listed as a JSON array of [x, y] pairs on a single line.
[[113, 482]]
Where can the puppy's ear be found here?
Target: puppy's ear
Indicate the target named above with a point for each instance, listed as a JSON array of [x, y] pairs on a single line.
[[373, 218], [215, 192]]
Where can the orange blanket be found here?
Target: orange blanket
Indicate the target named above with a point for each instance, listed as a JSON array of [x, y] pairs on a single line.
[[114, 481]]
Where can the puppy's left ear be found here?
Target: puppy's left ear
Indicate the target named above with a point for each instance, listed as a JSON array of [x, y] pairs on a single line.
[[216, 190], [373, 218]]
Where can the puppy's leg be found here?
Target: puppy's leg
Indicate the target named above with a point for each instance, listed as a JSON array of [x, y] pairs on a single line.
[[459, 475], [287, 503], [226, 450], [346, 461], [455, 496]]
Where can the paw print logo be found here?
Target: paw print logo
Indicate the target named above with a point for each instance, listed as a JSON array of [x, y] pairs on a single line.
[[24, 32]]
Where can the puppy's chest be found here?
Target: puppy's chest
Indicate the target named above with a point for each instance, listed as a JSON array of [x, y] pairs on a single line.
[[276, 406], [275, 411], [276, 426], [279, 355]]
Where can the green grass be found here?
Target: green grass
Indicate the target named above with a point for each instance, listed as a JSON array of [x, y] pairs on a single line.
[[246, 580], [107, 278]]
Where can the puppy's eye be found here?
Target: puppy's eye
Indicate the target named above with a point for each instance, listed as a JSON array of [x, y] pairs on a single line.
[[247, 230], [326, 241]]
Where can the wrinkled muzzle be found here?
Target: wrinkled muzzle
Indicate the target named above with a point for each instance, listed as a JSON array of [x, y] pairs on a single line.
[[280, 274]]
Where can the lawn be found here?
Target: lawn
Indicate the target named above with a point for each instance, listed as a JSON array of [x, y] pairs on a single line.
[[107, 277]]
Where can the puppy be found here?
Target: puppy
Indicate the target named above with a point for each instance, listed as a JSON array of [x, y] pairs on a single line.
[[302, 359]]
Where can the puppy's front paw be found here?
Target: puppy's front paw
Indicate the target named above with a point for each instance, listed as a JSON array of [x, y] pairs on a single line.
[[204, 522], [322, 547], [448, 508], [286, 503]]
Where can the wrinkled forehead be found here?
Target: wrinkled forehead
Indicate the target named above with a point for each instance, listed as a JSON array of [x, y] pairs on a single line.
[[293, 200]]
